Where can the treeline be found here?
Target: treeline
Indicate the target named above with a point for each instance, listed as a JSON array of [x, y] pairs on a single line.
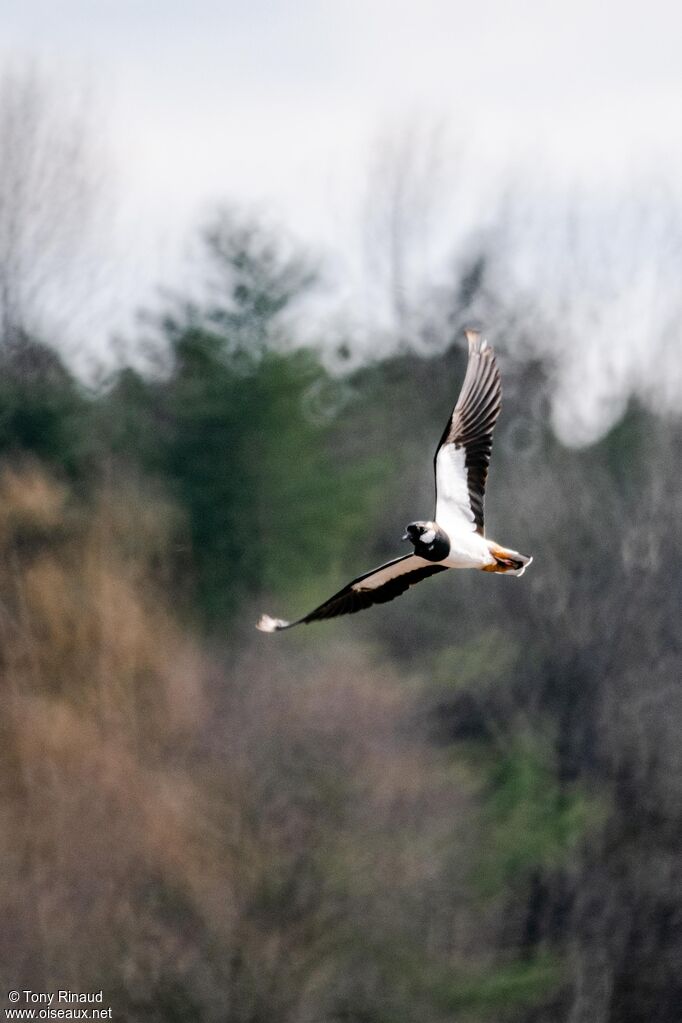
[[465, 804]]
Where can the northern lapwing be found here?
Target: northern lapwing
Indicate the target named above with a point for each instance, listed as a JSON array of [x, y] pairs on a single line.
[[455, 538]]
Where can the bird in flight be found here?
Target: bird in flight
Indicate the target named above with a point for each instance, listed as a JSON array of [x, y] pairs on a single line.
[[455, 538]]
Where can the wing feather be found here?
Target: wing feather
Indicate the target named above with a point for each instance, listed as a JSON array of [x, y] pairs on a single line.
[[376, 587], [463, 455]]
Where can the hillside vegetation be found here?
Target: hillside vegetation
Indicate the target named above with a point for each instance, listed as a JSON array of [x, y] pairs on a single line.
[[462, 805]]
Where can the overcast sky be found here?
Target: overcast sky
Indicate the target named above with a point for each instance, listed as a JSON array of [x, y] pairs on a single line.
[[278, 103], [275, 99]]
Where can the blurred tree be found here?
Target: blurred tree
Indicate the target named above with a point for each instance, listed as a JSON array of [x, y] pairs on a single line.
[[44, 412], [255, 278], [244, 425], [409, 185], [525, 866], [47, 190], [48, 186]]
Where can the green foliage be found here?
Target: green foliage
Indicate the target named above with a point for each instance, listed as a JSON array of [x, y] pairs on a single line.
[[502, 990], [43, 413], [210, 460], [624, 450], [488, 657], [518, 985], [410, 985], [529, 818], [267, 501], [243, 430], [130, 424]]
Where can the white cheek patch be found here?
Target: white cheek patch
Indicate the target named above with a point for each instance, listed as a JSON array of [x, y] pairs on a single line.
[[429, 536]]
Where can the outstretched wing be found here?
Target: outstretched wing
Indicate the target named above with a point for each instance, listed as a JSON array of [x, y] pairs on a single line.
[[376, 587], [463, 455]]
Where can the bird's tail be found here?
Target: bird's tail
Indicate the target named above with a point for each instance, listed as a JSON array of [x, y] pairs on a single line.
[[507, 561]]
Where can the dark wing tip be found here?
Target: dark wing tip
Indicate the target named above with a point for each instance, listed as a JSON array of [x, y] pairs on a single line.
[[353, 597], [473, 419]]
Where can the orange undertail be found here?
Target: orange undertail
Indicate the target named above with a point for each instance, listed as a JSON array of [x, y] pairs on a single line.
[[507, 561]]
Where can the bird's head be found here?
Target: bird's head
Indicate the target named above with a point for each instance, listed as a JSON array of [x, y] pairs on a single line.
[[428, 539]]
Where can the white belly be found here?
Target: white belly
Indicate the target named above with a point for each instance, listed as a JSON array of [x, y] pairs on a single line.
[[468, 551]]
